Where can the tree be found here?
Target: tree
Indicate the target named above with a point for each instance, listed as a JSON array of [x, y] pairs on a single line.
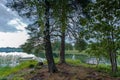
[[34, 44], [96, 50], [31, 47], [48, 48], [40, 12], [56, 45], [68, 46], [104, 27], [80, 45], [61, 11]]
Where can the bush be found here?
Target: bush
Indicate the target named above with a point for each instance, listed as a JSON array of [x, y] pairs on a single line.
[[31, 66], [3, 78], [117, 74], [104, 68]]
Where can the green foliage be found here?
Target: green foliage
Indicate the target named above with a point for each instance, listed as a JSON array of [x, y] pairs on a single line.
[[80, 45], [107, 69], [104, 28], [117, 74], [97, 50], [3, 78], [56, 46], [31, 66], [29, 47], [102, 25], [61, 9], [103, 68], [68, 46], [83, 21]]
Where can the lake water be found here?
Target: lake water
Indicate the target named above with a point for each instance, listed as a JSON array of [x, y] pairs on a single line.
[[82, 57], [14, 58]]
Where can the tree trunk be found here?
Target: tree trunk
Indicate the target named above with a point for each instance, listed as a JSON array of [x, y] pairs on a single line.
[[48, 49], [113, 60], [62, 48], [112, 53]]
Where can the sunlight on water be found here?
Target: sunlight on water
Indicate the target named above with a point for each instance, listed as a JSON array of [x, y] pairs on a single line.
[[14, 58]]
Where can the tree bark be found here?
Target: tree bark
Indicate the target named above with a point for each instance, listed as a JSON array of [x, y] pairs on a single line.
[[62, 49], [112, 53], [48, 48], [113, 60]]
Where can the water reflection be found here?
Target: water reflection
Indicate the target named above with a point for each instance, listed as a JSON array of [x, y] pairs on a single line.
[[14, 58]]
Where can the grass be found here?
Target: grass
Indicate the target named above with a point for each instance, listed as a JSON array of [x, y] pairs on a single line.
[[69, 61], [73, 62], [68, 52], [100, 68], [5, 71]]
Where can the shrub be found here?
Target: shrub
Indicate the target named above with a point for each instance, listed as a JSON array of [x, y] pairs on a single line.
[[31, 66], [3, 78]]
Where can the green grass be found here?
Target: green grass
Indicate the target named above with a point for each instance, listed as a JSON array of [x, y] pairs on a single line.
[[68, 52], [100, 68], [69, 61], [73, 62], [72, 52], [5, 71]]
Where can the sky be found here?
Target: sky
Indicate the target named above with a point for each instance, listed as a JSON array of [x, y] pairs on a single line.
[[12, 27]]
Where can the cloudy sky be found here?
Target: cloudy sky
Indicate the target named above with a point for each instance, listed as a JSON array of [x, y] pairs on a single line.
[[12, 27]]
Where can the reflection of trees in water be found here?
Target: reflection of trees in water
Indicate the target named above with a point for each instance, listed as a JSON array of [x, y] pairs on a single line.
[[9, 60], [88, 59]]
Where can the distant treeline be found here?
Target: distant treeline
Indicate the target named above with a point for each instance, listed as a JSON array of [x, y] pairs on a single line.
[[9, 49]]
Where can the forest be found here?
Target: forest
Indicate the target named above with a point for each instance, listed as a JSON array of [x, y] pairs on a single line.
[[10, 49], [88, 27]]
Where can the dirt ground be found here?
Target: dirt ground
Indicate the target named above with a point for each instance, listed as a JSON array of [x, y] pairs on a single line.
[[67, 72]]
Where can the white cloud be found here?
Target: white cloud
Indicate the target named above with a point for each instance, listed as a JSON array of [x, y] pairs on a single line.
[[12, 39], [18, 23], [12, 27], [3, 1], [9, 20]]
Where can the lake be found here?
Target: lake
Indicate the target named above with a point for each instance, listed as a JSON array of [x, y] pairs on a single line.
[[14, 58], [82, 57]]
